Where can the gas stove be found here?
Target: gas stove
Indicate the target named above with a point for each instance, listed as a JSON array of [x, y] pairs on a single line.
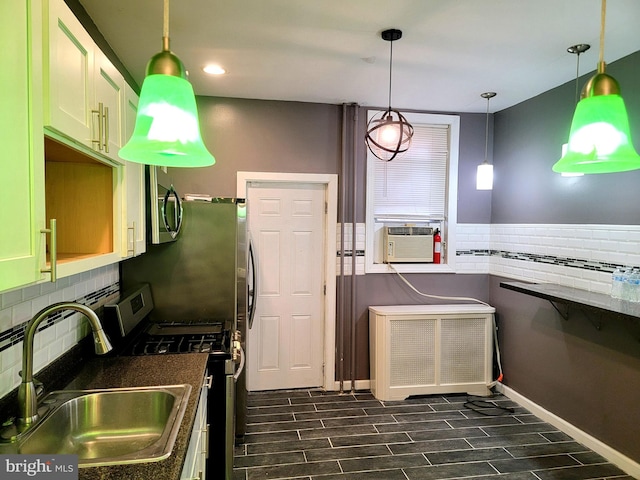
[[167, 338], [130, 327]]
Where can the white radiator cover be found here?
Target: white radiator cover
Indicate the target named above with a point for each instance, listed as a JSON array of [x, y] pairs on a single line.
[[430, 349]]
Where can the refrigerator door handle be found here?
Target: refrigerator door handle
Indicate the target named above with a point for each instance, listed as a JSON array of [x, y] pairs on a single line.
[[252, 289], [240, 366]]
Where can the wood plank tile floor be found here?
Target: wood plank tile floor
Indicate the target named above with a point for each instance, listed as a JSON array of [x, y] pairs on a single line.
[[316, 435]]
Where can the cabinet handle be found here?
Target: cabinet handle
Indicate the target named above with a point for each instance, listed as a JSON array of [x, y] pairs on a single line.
[[206, 441], [100, 113], [105, 118], [53, 250], [132, 228]]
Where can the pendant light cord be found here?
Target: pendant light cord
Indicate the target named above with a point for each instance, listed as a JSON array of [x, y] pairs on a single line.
[[390, 69], [577, 77], [486, 134], [602, 19], [165, 26]]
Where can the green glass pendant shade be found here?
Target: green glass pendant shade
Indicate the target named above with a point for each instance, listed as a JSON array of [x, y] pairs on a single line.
[[599, 141], [167, 131]]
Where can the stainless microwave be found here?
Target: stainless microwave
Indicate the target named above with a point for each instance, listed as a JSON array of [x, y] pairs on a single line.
[[165, 207]]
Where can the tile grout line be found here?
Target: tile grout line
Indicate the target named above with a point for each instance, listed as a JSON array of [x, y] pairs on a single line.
[[541, 437]]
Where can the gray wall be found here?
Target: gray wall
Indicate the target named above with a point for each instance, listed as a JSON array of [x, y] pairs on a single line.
[[588, 377], [263, 136], [585, 376], [528, 141], [292, 137]]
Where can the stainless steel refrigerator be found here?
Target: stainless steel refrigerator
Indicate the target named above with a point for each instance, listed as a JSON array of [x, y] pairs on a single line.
[[206, 276]]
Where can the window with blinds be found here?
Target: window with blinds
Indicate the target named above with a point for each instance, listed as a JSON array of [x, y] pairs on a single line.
[[415, 185], [419, 188]]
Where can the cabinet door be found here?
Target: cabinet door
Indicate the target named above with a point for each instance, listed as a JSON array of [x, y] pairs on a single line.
[[135, 184], [21, 156], [204, 431], [195, 459], [69, 64], [108, 103]]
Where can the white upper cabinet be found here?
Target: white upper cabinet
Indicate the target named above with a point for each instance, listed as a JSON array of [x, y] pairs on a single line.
[[110, 96], [135, 185], [22, 251], [70, 203], [84, 92]]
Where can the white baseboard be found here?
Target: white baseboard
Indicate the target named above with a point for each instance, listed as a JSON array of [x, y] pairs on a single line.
[[346, 385], [622, 461]]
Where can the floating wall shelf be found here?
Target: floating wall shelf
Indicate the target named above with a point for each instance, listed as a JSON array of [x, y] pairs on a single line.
[[587, 301]]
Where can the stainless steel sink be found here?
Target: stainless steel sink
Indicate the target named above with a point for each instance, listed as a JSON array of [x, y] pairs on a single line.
[[108, 427]]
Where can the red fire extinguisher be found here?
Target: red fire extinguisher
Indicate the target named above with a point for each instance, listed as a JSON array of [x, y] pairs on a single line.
[[437, 246]]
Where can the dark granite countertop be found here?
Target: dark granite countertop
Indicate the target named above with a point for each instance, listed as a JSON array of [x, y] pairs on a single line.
[[80, 368], [593, 301], [141, 371]]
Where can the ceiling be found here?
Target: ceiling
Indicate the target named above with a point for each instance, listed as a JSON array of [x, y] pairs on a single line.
[[330, 51]]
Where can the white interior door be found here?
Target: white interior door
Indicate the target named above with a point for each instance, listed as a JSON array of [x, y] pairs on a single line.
[[285, 345]]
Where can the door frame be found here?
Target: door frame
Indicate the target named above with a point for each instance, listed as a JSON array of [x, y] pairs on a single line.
[[330, 182]]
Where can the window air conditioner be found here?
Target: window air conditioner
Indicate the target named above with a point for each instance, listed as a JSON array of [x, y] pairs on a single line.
[[408, 244]]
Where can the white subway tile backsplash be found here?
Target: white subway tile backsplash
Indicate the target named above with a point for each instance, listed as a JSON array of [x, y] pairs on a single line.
[[18, 306], [8, 299], [360, 245], [68, 294], [47, 287], [55, 297], [20, 313], [40, 360], [39, 303], [30, 292], [81, 289], [598, 245], [69, 340], [576, 255], [5, 319], [12, 356]]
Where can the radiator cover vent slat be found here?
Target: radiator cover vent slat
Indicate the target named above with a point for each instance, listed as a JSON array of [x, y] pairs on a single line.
[[430, 349], [418, 340]]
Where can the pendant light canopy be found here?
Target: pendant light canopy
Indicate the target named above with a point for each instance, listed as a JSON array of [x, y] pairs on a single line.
[[600, 138], [484, 174], [167, 131], [389, 133]]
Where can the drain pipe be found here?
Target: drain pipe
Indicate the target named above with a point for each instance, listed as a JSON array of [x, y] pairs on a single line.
[[341, 287], [354, 159]]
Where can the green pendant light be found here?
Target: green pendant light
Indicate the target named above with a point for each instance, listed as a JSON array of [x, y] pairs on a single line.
[[600, 138], [167, 131]]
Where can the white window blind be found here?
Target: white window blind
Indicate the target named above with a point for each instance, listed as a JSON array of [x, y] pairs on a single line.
[[415, 185]]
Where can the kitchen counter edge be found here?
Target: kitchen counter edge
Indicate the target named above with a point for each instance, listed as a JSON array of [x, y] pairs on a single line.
[[139, 371]]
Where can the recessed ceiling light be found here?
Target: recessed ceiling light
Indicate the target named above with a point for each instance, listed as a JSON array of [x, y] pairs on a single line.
[[214, 70]]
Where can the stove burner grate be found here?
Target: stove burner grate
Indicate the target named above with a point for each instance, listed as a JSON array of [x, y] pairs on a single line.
[[153, 344]]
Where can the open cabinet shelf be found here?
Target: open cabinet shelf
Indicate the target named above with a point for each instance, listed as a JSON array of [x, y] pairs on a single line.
[[80, 196]]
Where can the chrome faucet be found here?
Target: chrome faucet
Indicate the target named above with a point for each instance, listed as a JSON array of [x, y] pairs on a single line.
[[27, 397]]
